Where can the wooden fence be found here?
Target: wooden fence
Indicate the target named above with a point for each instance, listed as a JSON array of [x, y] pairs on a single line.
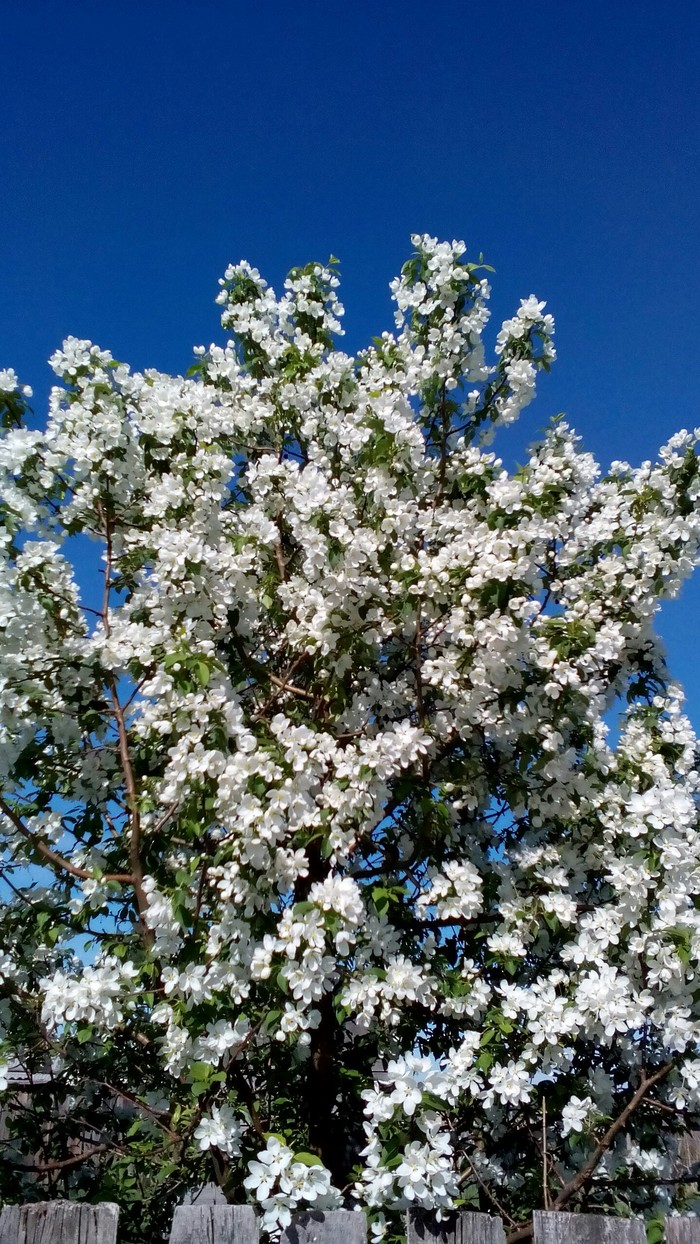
[[65, 1222]]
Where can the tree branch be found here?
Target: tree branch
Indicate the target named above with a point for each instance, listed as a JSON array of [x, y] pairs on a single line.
[[585, 1174], [59, 861], [137, 873], [62, 1163]]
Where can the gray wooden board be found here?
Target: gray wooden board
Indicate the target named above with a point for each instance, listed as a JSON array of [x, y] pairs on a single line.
[[59, 1222], [214, 1224], [463, 1227], [206, 1194], [684, 1230], [551, 1228], [328, 1226]]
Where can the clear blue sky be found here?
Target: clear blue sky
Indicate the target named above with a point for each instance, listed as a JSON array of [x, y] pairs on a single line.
[[144, 146]]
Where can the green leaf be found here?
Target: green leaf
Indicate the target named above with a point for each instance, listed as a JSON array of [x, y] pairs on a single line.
[[201, 1071], [308, 1159], [173, 658], [470, 1196], [432, 1102], [271, 1021], [656, 1229]]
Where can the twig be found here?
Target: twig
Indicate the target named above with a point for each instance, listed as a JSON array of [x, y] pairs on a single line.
[[493, 1199], [257, 667], [545, 1188], [57, 1164], [157, 1115], [264, 709], [288, 686], [279, 554], [167, 815]]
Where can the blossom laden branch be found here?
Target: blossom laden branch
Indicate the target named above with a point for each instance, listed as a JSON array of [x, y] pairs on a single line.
[[586, 1172], [53, 857]]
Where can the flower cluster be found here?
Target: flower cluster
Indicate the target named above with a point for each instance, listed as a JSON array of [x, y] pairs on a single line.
[[220, 1130], [280, 1184], [94, 995]]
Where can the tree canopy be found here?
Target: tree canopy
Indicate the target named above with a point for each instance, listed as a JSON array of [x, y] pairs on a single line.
[[349, 819]]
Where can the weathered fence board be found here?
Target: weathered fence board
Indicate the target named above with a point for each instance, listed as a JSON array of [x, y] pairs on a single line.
[[59, 1222], [214, 1224], [550, 1228], [207, 1194], [210, 1222], [335, 1226], [461, 1228], [685, 1230]]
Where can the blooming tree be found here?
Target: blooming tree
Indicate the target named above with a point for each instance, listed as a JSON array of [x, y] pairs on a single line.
[[350, 830]]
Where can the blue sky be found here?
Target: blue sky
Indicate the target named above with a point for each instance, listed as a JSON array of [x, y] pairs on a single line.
[[144, 146]]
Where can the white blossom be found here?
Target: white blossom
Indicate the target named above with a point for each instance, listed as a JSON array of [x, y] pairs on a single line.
[[219, 1130]]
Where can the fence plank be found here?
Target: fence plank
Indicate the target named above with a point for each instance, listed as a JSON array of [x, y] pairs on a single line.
[[59, 1222], [551, 1228], [331, 1226], [683, 1230], [206, 1194], [463, 1227], [214, 1224]]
